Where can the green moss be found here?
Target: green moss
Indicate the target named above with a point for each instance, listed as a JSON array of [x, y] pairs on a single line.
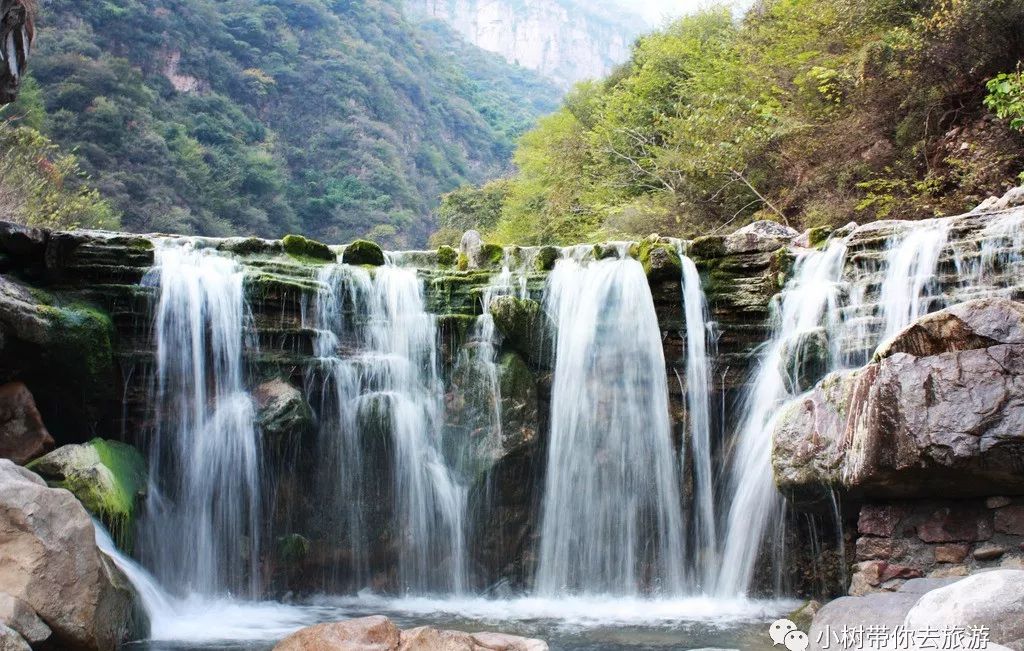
[[817, 237], [267, 285], [447, 256], [363, 252], [782, 266], [491, 255], [546, 258], [660, 259], [463, 262], [83, 350], [707, 247], [107, 477], [307, 250]]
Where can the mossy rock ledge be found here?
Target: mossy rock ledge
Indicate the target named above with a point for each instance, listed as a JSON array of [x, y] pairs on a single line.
[[363, 252], [305, 249], [108, 478]]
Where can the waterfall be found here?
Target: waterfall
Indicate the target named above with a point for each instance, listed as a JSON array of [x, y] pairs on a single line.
[[203, 510], [698, 404], [852, 303], [809, 300], [911, 265], [152, 597], [611, 520], [382, 390]]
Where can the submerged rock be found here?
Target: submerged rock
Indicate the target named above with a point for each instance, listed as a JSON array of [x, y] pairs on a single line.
[[23, 436], [107, 477], [380, 634], [50, 561]]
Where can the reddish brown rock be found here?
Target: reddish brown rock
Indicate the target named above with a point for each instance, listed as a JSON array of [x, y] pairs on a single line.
[[23, 437], [363, 634], [956, 524], [1010, 519], [878, 520], [890, 571], [869, 548], [997, 502], [951, 553]]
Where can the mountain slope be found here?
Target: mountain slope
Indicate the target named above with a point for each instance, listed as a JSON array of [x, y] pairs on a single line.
[[565, 40], [335, 117]]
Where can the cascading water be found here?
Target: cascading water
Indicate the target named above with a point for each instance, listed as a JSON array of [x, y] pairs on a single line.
[[203, 511], [809, 300], [698, 405], [378, 345], [477, 436], [911, 265], [611, 520]]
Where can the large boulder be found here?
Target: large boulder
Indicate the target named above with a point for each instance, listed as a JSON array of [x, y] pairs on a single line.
[[805, 360], [363, 252], [939, 411], [107, 477], [50, 561], [761, 236], [23, 436], [993, 599], [380, 634]]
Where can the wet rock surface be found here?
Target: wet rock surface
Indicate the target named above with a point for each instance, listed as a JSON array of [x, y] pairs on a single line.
[[23, 436], [380, 634]]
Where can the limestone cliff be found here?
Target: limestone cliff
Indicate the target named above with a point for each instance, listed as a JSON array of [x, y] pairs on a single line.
[[564, 40]]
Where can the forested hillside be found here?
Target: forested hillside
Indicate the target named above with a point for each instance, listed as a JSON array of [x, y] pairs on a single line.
[[336, 118], [812, 112]]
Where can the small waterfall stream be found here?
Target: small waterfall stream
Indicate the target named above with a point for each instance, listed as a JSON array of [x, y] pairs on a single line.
[[611, 521], [699, 360], [377, 346]]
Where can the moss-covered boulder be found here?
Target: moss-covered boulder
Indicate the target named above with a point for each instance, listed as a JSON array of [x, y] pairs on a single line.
[[659, 258], [447, 256], [107, 477], [307, 250], [250, 246], [546, 258], [491, 256], [363, 252], [523, 326]]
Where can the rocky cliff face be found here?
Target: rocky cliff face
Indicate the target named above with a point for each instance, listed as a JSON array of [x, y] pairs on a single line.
[[564, 40]]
